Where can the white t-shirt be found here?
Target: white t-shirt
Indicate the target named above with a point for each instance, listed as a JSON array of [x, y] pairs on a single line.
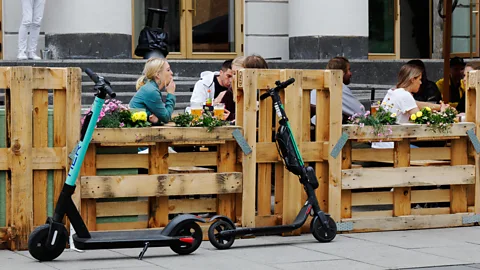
[[402, 102]]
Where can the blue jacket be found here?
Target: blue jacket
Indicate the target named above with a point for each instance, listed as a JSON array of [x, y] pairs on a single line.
[[149, 97]]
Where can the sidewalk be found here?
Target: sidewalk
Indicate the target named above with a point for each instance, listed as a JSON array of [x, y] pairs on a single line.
[[456, 248]]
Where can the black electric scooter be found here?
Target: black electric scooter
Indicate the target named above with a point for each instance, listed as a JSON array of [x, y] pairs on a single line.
[[222, 233], [183, 235]]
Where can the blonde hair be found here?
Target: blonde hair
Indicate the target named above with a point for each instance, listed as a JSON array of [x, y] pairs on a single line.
[[238, 61], [152, 67], [406, 74]]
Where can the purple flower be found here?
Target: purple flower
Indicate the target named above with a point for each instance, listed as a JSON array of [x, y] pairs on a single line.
[[122, 124], [367, 113]]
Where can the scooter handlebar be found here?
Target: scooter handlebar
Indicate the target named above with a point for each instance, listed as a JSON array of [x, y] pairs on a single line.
[[280, 85], [98, 79]]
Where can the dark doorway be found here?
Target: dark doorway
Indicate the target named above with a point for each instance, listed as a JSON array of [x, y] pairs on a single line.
[[415, 41]]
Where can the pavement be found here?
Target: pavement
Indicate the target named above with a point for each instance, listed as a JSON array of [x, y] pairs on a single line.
[[439, 249]]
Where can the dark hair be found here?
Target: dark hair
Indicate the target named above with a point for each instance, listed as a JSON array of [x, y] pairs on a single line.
[[338, 62], [417, 62], [255, 61], [227, 65]]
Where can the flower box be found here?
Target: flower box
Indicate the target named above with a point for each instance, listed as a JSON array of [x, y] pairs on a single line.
[[405, 131]]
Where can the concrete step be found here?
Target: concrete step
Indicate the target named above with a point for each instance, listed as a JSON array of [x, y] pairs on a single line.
[[183, 99], [129, 86]]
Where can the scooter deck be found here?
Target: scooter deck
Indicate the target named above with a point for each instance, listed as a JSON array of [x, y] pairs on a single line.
[[124, 239]]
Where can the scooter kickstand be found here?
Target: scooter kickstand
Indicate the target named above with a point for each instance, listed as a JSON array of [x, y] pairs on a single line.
[[140, 256]]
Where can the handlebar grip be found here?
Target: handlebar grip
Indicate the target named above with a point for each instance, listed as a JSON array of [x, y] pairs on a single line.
[[92, 75], [96, 79], [285, 83], [264, 96]]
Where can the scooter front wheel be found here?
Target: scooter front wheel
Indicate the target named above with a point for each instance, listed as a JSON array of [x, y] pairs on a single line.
[[216, 239], [320, 233], [37, 244], [190, 229]]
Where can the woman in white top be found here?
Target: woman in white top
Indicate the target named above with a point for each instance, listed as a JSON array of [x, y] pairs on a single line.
[[400, 100]]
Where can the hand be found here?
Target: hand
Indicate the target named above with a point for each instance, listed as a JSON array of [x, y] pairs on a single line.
[[153, 119], [171, 87], [443, 106], [226, 113]]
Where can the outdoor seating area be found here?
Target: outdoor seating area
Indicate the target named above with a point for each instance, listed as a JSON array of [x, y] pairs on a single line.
[[236, 170]]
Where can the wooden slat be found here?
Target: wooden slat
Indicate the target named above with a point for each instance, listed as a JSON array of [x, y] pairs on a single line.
[[158, 205], [266, 221], [322, 134], [89, 206], [40, 139], [264, 175], [372, 198], [21, 156], [458, 199], [333, 82], [405, 131], [431, 211], [406, 222], [292, 191], [4, 78], [49, 78], [265, 78], [45, 158], [401, 195], [160, 185], [183, 206], [372, 214], [310, 151], [226, 162], [347, 194], [313, 79], [117, 209], [59, 136], [239, 106], [477, 131], [116, 161], [118, 226], [192, 159], [386, 155], [250, 83], [429, 196], [408, 177], [162, 134], [4, 153]]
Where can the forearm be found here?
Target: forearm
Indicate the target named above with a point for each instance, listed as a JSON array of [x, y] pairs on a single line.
[[435, 107]]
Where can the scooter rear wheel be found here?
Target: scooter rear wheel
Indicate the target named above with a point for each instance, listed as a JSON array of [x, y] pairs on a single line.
[[319, 232], [217, 240], [190, 229], [37, 244]]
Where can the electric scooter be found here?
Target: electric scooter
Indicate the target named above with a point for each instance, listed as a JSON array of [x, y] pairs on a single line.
[[182, 234], [222, 232]]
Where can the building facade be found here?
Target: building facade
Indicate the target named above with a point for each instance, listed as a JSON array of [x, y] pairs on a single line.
[[275, 29]]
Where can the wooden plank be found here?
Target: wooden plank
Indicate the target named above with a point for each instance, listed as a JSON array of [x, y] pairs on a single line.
[[59, 136], [431, 211], [278, 192], [406, 131], [406, 222], [322, 133], [306, 137], [408, 177], [386, 155], [21, 155], [4, 153], [226, 163], [264, 175], [4, 78], [192, 159], [49, 78], [373, 214], [88, 207], [250, 83], [162, 134], [119, 226], [333, 82], [310, 151], [40, 139], [160, 185], [401, 195], [42, 158], [458, 202], [347, 194], [267, 221], [313, 79], [265, 78], [158, 164], [117, 209], [430, 196], [477, 132], [372, 198], [239, 106], [292, 190], [184, 206]]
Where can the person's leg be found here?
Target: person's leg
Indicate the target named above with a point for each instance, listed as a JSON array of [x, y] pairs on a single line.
[[27, 11], [38, 8]]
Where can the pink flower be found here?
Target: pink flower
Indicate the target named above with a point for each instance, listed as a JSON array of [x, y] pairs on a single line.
[[122, 124], [367, 113], [362, 125], [380, 135]]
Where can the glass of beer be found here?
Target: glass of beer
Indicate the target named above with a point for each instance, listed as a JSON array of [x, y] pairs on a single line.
[[219, 110], [374, 105], [196, 109]]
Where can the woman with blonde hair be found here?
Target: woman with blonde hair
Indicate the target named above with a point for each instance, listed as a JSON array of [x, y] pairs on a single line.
[[157, 77]]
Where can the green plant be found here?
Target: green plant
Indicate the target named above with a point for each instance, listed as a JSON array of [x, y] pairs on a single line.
[[116, 115], [207, 120], [381, 121], [437, 121]]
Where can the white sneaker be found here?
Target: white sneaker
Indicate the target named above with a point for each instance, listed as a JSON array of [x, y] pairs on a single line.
[[22, 56], [33, 56]]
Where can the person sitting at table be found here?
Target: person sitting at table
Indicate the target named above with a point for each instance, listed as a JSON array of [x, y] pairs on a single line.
[[157, 78], [399, 100]]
